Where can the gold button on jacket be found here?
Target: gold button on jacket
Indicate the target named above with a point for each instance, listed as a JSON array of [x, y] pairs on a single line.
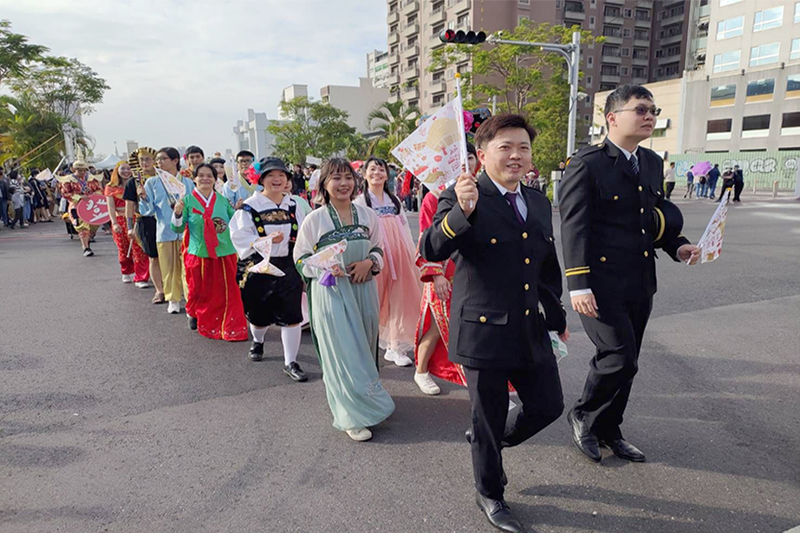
[[482, 319], [524, 234], [646, 253], [603, 259], [493, 241]]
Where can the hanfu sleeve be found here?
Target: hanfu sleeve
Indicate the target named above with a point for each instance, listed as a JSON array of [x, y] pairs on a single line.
[[307, 238], [376, 248]]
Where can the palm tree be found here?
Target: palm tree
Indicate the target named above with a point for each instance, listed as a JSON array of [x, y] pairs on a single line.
[[394, 120]]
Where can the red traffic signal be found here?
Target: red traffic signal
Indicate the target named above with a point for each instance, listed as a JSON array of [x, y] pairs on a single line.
[[462, 37]]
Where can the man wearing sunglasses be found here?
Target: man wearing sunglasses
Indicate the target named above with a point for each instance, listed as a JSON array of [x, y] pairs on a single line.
[[612, 220]]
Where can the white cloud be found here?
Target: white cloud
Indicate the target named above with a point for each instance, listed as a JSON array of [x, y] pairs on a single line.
[[184, 71]]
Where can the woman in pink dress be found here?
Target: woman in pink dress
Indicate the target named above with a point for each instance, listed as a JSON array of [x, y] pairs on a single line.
[[399, 288]]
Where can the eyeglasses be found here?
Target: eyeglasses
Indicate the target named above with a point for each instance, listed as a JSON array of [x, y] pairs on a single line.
[[642, 110], [245, 161]]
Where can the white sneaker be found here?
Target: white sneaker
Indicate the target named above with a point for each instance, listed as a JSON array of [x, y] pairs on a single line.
[[127, 278], [142, 285], [400, 359], [426, 384], [174, 308], [359, 434]]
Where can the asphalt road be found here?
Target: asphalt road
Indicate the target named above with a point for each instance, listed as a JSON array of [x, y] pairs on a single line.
[[114, 417]]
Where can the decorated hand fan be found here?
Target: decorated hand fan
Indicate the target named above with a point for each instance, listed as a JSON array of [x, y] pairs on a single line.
[[327, 260], [264, 247]]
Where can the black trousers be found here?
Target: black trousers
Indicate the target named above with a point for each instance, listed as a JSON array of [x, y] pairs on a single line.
[[670, 187], [737, 190], [617, 334], [495, 427]]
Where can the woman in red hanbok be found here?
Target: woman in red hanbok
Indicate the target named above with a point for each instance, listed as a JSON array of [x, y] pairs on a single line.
[[133, 262]]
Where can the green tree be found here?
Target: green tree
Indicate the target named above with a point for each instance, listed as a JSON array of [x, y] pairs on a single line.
[[313, 129], [30, 135], [16, 55], [61, 85], [525, 80], [394, 121]]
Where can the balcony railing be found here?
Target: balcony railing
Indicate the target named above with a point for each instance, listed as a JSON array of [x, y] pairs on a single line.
[[409, 6], [438, 86], [410, 29], [437, 15]]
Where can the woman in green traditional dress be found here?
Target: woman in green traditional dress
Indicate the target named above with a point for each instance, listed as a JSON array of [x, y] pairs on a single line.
[[344, 316], [213, 302]]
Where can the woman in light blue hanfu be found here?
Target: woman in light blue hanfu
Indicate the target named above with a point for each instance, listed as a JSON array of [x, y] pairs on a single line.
[[344, 302]]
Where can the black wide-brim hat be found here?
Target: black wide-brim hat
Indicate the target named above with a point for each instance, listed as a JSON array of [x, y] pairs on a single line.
[[667, 222], [267, 164]]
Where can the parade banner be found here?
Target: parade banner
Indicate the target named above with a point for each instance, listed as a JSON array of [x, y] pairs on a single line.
[[433, 151], [710, 243], [93, 209]]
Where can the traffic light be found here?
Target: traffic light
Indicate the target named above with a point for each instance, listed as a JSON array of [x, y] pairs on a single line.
[[462, 37]]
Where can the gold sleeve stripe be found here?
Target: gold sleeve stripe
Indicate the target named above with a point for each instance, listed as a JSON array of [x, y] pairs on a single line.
[[577, 268], [446, 229], [578, 272], [661, 223]]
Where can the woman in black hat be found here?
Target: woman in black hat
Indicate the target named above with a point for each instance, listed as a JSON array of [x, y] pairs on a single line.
[[270, 299]]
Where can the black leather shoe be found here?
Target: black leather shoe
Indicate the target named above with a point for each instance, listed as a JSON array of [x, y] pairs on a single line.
[[468, 436], [583, 439], [498, 514], [256, 351], [294, 371], [624, 450], [192, 323]]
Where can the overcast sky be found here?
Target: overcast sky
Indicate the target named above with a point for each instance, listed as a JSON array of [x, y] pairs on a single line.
[[184, 71]]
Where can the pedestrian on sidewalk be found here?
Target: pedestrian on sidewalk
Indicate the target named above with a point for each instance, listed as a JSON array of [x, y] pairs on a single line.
[[702, 187], [669, 179], [689, 185], [5, 197], [727, 183], [711, 184], [738, 183], [18, 201]]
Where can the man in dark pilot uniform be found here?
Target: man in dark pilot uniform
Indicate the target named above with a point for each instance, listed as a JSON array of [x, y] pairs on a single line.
[[500, 236], [611, 195]]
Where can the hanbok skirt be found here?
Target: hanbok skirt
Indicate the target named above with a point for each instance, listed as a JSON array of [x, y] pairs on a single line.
[[213, 297]]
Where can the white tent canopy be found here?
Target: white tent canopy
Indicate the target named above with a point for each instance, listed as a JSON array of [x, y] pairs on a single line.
[[107, 163]]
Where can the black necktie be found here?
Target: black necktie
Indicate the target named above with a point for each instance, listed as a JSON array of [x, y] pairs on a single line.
[[511, 197], [634, 164]]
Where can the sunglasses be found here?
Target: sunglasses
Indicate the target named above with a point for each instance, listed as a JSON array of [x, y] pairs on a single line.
[[642, 110]]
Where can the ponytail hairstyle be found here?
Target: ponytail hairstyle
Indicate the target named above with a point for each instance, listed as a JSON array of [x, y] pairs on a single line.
[[385, 165]]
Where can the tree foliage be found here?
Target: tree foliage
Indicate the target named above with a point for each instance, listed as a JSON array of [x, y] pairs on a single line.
[[394, 121], [313, 129], [30, 135], [526, 80], [16, 54], [61, 85]]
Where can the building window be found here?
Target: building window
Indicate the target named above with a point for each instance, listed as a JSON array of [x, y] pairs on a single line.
[[795, 53], [727, 61], [723, 95], [755, 126], [626, 33], [612, 51], [768, 19], [723, 3], [588, 81], [765, 54], [730, 28], [626, 52], [639, 72], [628, 13], [793, 86], [797, 12], [760, 90], [590, 61], [790, 124], [593, 3], [642, 15], [525, 2], [591, 21], [640, 53], [611, 11], [612, 31], [659, 53], [720, 129], [609, 70], [624, 71]]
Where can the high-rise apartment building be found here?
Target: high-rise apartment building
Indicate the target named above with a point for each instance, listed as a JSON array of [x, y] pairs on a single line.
[[645, 40], [378, 68], [742, 85]]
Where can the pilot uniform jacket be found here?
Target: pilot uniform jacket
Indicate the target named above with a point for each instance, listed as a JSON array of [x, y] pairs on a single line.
[[504, 270], [608, 228]]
